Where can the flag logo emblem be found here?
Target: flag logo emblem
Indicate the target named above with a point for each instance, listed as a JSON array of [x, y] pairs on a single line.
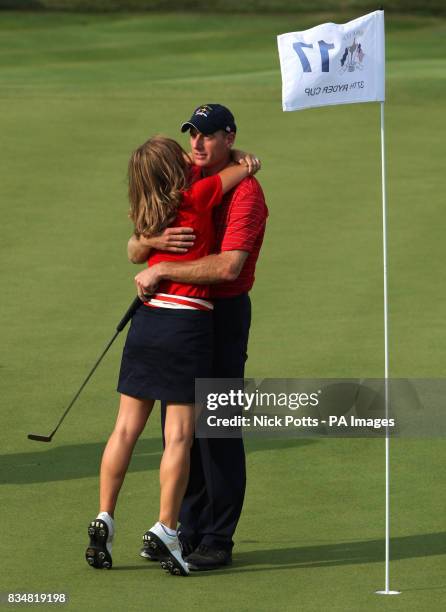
[[352, 58]]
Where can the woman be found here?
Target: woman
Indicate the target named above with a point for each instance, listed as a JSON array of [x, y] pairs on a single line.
[[169, 344]]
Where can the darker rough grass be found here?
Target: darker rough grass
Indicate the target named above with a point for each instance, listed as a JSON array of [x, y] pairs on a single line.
[[426, 7]]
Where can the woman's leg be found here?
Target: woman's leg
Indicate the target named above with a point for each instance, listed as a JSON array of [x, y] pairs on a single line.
[[175, 463], [132, 417]]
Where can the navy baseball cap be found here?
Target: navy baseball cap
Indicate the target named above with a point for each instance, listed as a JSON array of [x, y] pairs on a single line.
[[210, 118]]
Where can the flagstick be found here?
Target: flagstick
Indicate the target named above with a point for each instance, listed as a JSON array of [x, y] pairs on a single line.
[[387, 591]]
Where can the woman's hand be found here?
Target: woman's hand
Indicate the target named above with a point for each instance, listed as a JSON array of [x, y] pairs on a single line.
[[247, 159]]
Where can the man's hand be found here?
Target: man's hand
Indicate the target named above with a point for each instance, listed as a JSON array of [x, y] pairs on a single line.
[[172, 239], [146, 282]]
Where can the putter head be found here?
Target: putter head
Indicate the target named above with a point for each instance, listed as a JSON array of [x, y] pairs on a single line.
[[39, 438]]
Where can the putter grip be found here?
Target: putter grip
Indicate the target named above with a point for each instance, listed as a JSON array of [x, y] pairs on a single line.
[[129, 314]]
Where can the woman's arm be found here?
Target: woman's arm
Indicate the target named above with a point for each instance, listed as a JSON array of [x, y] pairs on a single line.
[[238, 156], [232, 175]]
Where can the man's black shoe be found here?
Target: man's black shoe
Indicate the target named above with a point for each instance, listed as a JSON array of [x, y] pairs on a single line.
[[206, 558], [187, 548]]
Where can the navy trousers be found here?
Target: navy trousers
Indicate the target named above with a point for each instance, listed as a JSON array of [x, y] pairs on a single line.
[[214, 497]]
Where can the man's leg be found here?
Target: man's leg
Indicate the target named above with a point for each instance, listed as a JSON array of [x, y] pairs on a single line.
[[223, 460], [225, 473]]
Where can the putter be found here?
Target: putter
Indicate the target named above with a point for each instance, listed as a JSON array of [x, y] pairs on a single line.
[[125, 319]]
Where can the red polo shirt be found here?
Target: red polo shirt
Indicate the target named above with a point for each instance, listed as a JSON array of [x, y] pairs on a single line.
[[240, 226]]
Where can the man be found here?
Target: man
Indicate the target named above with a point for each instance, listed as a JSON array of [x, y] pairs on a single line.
[[213, 502]]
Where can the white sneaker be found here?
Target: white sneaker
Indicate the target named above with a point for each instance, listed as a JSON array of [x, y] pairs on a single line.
[[167, 547]]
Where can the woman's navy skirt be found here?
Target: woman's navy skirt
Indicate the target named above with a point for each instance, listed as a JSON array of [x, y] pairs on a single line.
[[165, 351]]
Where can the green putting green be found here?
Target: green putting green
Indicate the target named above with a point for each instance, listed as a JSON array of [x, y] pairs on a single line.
[[77, 94]]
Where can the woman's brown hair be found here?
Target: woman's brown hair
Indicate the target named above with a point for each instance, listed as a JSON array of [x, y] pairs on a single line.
[[158, 173]]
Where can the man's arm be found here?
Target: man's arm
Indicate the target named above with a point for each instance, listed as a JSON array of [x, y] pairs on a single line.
[[137, 251], [209, 270], [172, 239]]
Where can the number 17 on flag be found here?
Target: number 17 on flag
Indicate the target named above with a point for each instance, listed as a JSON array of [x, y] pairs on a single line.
[[324, 48]]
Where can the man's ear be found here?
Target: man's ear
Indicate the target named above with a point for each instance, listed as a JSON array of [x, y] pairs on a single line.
[[230, 139]]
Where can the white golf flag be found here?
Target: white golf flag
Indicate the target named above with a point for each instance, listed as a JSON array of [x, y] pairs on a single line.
[[333, 63]]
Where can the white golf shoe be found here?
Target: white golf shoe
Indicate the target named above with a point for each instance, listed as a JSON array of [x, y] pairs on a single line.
[[167, 548], [101, 532]]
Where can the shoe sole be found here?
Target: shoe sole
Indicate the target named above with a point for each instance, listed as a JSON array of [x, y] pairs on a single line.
[[97, 555], [168, 562]]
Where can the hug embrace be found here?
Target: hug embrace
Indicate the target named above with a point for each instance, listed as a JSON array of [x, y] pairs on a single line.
[[199, 221]]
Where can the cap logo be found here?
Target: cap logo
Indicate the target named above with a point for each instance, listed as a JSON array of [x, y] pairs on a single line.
[[203, 111]]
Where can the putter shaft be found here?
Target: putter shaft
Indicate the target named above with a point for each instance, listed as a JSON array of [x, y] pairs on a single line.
[[125, 319]]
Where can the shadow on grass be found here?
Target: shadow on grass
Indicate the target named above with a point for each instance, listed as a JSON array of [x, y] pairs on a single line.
[[82, 460], [326, 555], [342, 553]]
